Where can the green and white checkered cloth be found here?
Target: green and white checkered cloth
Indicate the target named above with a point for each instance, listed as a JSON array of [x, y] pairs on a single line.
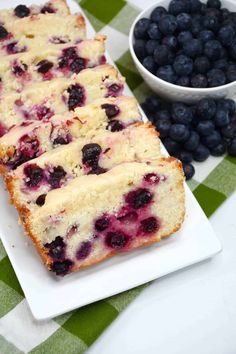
[[74, 332]]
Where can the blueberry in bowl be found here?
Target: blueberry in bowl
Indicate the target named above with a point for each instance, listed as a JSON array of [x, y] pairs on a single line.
[[186, 49]]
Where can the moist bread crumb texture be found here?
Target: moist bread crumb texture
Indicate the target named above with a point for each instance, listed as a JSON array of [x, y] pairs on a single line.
[[84, 172]]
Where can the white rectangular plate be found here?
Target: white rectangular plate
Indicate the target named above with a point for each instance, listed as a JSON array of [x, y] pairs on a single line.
[[49, 296]]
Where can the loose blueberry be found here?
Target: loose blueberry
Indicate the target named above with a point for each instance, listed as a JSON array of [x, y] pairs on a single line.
[[149, 64], [91, 153], [171, 42], [195, 6], [84, 250], [76, 96], [231, 73], [115, 126], [179, 132], [55, 176], [141, 27], [206, 35], [183, 65], [163, 127], [205, 127], [196, 26], [218, 150], [183, 81], [229, 131], [221, 64], [116, 240], [62, 268], [199, 81], [40, 201], [221, 118], [111, 110], [167, 24], [184, 37], [166, 73], [216, 77], [153, 31], [56, 248], [154, 104], [21, 11], [201, 65], [162, 114], [44, 66], [3, 33], [171, 146], [232, 147], [228, 105], [178, 6], [140, 48], [226, 35], [139, 198], [201, 153], [181, 113], [163, 55], [151, 45], [149, 225], [183, 21], [157, 13], [185, 156], [102, 224], [193, 141], [212, 139], [193, 48], [214, 3], [188, 170], [206, 108], [213, 49], [34, 175], [211, 23]]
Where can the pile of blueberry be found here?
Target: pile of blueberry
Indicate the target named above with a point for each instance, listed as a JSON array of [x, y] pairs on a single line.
[[192, 44], [194, 132]]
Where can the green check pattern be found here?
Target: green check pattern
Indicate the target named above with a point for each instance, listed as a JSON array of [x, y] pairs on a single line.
[[74, 332]]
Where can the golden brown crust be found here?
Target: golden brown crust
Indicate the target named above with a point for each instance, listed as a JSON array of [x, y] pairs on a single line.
[[80, 21], [64, 4]]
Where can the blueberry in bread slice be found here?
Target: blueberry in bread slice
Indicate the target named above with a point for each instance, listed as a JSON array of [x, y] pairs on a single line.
[[31, 139], [58, 7], [29, 184], [97, 216], [42, 100], [18, 71], [24, 34]]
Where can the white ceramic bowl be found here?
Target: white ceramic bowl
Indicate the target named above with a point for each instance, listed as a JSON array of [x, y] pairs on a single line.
[[171, 91]]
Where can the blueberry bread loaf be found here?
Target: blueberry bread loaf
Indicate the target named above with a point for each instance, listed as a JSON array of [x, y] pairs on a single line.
[[44, 99], [37, 31], [77, 227], [19, 71], [32, 139], [29, 184]]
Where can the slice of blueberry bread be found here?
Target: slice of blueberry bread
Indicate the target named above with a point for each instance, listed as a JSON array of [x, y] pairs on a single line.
[[58, 7], [42, 100], [97, 216], [29, 183], [18, 71], [31, 139], [36, 31]]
